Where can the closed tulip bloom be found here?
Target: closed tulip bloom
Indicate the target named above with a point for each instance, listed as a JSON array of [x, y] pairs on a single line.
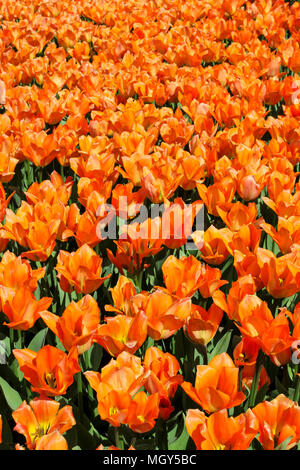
[[216, 385]]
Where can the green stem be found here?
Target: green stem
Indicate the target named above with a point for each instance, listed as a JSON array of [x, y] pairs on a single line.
[[118, 439], [255, 382], [138, 280], [162, 435], [80, 396], [297, 389]]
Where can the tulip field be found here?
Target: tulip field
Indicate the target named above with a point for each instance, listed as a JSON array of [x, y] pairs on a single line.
[[149, 225]]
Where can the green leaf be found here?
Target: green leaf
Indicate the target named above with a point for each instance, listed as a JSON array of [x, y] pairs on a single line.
[[260, 396], [222, 345], [178, 436], [96, 353], [280, 388], [39, 340], [85, 440], [284, 444], [11, 396]]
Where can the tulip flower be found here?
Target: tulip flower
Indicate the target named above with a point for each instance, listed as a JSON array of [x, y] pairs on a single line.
[[118, 401], [280, 276], [121, 293], [77, 325], [278, 419], [165, 314], [22, 308], [184, 276], [137, 242], [42, 424], [213, 244], [235, 215], [50, 371], [216, 385], [122, 333], [16, 272], [202, 325], [216, 194], [219, 432], [80, 270], [163, 379]]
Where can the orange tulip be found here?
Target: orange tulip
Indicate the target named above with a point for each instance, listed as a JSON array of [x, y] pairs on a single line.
[[122, 333], [277, 340], [216, 385], [50, 371], [202, 325], [287, 233], [254, 316], [118, 401], [165, 314], [121, 294], [80, 270], [15, 272], [278, 419], [216, 194], [184, 276], [77, 325], [50, 190], [126, 202], [142, 412], [213, 244], [22, 308], [219, 432], [164, 378], [236, 215], [137, 242], [243, 286], [41, 240], [246, 351], [160, 183], [177, 222], [280, 276], [42, 423]]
